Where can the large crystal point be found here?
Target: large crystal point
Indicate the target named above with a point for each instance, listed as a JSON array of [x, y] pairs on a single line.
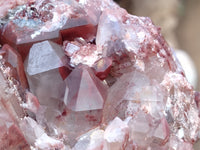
[[42, 69], [84, 90], [84, 98], [43, 57]]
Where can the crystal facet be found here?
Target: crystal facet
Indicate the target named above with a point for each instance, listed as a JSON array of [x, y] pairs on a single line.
[[42, 69], [84, 90]]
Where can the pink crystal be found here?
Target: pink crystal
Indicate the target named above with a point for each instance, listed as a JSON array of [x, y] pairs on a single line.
[[11, 136], [161, 133], [116, 135], [84, 90], [42, 67], [98, 79]]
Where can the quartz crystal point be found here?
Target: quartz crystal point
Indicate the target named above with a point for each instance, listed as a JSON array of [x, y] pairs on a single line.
[[98, 79], [84, 99], [42, 69], [84, 90]]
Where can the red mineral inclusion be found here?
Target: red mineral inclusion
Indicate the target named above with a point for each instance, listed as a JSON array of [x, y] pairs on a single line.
[[64, 68], [64, 72]]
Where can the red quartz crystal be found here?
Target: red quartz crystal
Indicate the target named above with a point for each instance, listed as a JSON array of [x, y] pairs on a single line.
[[98, 79]]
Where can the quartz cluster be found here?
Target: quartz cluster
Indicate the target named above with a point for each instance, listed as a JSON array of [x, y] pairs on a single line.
[[86, 75]]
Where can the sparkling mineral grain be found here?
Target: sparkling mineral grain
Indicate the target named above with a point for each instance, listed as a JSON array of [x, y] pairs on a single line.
[[86, 75]]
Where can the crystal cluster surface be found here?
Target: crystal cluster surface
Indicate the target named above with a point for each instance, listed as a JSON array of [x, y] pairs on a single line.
[[86, 75]]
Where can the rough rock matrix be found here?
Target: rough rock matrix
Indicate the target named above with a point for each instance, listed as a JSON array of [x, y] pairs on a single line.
[[86, 75]]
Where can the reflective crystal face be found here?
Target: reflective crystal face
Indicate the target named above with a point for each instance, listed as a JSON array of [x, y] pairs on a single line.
[[42, 70], [84, 90], [86, 75]]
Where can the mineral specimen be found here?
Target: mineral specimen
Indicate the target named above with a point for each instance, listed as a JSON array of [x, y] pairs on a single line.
[[86, 75]]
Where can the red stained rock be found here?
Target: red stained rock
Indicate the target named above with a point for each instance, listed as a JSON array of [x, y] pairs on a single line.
[[14, 58], [11, 94], [86, 54], [13, 139], [22, 38]]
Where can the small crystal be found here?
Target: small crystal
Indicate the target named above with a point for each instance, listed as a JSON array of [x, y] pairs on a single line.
[[13, 139], [162, 132], [116, 135]]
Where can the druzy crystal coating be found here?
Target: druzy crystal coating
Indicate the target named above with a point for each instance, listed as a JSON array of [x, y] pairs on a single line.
[[86, 75]]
